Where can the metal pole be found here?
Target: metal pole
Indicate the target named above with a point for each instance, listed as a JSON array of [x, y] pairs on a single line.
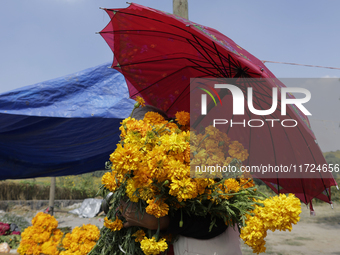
[[52, 195], [180, 8]]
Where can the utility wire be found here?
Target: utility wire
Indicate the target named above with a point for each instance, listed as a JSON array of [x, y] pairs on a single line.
[[295, 64]]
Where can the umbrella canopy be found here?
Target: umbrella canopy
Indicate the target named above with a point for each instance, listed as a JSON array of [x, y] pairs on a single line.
[[158, 53], [65, 126]]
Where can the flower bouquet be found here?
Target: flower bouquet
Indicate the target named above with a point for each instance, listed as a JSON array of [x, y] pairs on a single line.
[[150, 170]]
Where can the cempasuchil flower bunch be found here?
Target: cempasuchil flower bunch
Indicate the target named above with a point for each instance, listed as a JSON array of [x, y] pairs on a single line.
[[278, 213], [45, 238], [81, 240], [41, 238], [151, 167]]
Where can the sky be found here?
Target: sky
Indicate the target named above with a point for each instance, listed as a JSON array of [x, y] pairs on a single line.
[[41, 40]]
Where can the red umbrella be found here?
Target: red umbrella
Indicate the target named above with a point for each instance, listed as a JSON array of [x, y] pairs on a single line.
[[159, 52]]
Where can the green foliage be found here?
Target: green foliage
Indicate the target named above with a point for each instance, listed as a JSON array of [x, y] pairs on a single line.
[[21, 222], [67, 187], [31, 191], [12, 240], [85, 183]]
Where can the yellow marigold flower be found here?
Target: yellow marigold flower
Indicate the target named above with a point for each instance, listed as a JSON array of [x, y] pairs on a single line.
[[140, 100], [81, 240], [193, 139], [57, 234], [183, 118], [229, 186], [113, 225], [36, 250], [225, 139], [174, 142], [154, 118], [142, 177], [109, 181], [236, 150], [130, 190], [43, 233], [183, 189], [146, 193], [172, 126], [210, 144], [279, 212], [45, 221], [132, 125], [152, 247], [178, 170], [202, 184], [41, 237], [254, 233], [90, 232], [67, 241], [157, 208], [139, 235], [227, 161], [125, 158], [49, 248], [86, 247], [216, 159], [26, 246], [156, 160], [200, 157]]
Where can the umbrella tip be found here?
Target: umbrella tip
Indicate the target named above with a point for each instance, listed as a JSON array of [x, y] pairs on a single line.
[[337, 187], [128, 3], [332, 205], [101, 8]]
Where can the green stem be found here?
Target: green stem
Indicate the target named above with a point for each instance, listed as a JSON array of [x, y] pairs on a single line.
[[158, 230], [157, 131], [133, 111], [206, 136]]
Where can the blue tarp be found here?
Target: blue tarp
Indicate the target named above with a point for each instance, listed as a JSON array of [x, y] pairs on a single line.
[[64, 126]]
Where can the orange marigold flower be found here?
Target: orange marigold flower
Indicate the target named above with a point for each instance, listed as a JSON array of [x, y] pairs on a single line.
[[246, 183], [139, 235], [157, 208], [153, 118], [229, 186], [113, 225], [109, 181], [140, 100], [183, 118], [236, 150]]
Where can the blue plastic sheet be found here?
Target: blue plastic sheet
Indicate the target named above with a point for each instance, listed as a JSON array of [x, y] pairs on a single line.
[[64, 126]]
